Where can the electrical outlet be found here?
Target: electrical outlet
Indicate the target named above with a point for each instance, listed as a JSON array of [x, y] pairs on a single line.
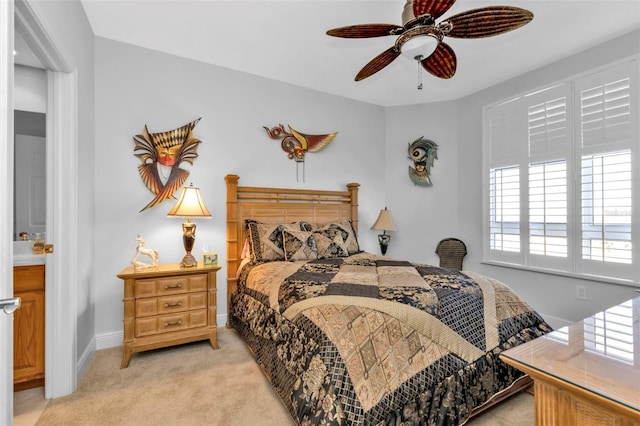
[[581, 292]]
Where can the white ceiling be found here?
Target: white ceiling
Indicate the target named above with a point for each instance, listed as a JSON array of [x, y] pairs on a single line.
[[287, 41]]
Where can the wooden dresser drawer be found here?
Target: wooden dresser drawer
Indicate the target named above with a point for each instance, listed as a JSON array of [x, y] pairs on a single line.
[[170, 285], [168, 304], [172, 322]]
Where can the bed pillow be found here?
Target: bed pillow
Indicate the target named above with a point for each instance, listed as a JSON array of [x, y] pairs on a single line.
[[344, 229], [299, 245], [265, 239], [330, 244], [246, 253]]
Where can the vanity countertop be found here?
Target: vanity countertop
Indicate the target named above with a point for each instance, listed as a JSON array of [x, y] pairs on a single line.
[[23, 254], [28, 259]]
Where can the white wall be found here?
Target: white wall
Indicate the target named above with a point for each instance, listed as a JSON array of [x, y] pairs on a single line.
[[423, 215], [30, 89], [137, 86]]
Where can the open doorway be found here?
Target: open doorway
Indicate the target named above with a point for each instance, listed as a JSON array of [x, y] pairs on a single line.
[[28, 268], [29, 217]]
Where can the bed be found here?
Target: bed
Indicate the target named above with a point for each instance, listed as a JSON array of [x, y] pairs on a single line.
[[349, 337]]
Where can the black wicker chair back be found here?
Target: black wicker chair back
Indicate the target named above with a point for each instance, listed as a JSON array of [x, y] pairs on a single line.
[[451, 252]]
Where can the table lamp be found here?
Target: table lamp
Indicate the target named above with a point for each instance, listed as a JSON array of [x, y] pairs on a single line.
[[384, 223], [189, 205]]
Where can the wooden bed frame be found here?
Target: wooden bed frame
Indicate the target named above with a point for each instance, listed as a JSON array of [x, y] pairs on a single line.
[[280, 205], [283, 205]]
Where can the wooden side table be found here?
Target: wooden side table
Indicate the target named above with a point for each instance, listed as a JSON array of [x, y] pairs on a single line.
[[168, 305], [587, 373]]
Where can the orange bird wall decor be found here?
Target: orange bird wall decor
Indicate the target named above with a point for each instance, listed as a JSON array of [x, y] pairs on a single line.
[[161, 155], [297, 144]]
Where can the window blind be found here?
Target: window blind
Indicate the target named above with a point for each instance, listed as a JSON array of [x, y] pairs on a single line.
[[606, 145]]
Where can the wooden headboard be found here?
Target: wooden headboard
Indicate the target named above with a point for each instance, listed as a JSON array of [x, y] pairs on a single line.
[[279, 205]]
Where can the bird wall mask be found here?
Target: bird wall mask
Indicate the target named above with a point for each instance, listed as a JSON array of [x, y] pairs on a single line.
[[165, 152], [297, 144]]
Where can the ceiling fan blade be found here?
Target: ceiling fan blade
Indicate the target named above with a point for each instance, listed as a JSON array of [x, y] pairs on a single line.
[[442, 62], [487, 21], [365, 31], [434, 8], [377, 63]]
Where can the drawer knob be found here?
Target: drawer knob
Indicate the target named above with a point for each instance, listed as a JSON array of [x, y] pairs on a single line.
[[173, 323], [172, 287], [173, 305]]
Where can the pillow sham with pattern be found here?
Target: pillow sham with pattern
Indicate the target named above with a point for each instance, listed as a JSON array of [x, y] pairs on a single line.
[[265, 239], [330, 244], [344, 229], [299, 245]]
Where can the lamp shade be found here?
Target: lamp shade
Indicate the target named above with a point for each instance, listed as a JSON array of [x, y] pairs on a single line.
[[384, 221], [190, 204]]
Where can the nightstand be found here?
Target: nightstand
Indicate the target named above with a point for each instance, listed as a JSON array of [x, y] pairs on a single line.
[[168, 305]]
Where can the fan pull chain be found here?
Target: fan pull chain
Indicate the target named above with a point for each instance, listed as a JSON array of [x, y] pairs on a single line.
[[419, 76]]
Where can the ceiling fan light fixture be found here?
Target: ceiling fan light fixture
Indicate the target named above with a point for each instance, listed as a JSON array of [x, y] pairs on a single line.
[[420, 38], [420, 47]]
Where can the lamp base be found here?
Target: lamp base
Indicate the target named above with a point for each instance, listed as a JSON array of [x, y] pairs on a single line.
[[384, 239], [188, 238], [188, 261]]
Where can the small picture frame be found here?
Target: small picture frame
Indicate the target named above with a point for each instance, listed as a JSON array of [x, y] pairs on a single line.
[[210, 259]]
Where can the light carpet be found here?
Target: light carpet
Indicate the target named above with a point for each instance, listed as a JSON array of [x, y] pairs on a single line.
[[195, 385]]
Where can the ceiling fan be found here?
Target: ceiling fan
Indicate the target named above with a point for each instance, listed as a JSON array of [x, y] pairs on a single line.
[[420, 37]]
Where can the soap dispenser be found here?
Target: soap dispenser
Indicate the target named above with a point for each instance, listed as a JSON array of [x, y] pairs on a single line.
[[38, 244]]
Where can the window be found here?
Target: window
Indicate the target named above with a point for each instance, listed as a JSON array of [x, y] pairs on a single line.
[[504, 209], [548, 209], [561, 187], [606, 207]]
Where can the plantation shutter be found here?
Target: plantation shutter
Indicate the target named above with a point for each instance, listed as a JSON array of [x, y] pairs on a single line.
[[549, 132], [561, 187], [504, 130], [607, 134]]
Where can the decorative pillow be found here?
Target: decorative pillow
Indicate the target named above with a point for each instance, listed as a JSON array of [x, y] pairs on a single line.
[[265, 239], [330, 244], [246, 253], [299, 245], [346, 230]]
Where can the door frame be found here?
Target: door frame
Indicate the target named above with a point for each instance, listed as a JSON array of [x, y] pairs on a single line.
[[61, 268], [6, 214], [62, 205]]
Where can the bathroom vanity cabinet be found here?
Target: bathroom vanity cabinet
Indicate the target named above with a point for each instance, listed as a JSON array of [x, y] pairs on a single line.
[[28, 327]]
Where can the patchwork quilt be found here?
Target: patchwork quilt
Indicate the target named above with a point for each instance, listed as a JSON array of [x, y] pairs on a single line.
[[368, 340]]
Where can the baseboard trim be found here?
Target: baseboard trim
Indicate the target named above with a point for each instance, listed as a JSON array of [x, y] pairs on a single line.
[[109, 340], [85, 358]]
